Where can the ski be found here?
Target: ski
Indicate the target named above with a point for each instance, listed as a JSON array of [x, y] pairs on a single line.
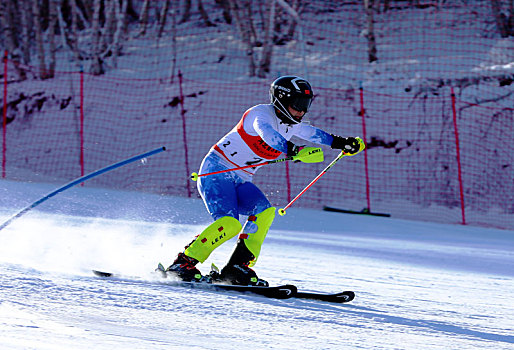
[[276, 292], [342, 297]]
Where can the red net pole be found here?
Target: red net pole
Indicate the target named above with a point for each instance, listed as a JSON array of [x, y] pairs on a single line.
[[184, 132], [457, 147], [82, 123], [363, 112], [4, 123]]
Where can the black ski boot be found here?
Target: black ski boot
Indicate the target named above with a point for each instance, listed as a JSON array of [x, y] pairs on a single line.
[[184, 267], [238, 271], [241, 274]]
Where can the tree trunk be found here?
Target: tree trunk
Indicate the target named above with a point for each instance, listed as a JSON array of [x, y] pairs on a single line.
[[110, 10], [372, 46], [510, 19], [120, 13], [386, 5], [292, 27], [163, 18], [267, 50], [173, 64], [87, 8], [8, 28], [131, 13], [244, 30], [96, 64], [39, 40], [73, 42], [52, 21], [27, 23], [80, 14], [143, 21], [225, 5], [292, 10], [504, 24], [8, 13], [187, 11], [247, 4], [204, 15]]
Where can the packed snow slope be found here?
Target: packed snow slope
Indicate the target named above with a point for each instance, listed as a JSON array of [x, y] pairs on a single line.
[[418, 285]]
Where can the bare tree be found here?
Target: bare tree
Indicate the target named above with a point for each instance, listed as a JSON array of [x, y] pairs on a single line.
[[106, 39], [256, 27], [286, 20], [505, 23], [225, 5], [143, 19], [30, 26], [107, 23], [87, 8], [163, 17], [259, 24], [110, 22], [243, 26], [120, 11], [70, 32], [97, 62], [173, 37], [52, 20], [370, 33], [186, 14], [14, 36], [26, 29], [45, 72], [8, 27], [267, 49]]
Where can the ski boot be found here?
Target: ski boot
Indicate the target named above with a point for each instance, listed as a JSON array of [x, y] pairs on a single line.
[[238, 270], [184, 267], [241, 274]]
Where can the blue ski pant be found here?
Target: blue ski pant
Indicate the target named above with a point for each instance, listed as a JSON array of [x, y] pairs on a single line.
[[228, 194]]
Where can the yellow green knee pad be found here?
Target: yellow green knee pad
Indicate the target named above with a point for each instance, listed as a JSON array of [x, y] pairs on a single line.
[[255, 231], [212, 237]]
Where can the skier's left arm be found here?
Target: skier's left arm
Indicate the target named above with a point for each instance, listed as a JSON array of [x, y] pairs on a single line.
[[349, 145]]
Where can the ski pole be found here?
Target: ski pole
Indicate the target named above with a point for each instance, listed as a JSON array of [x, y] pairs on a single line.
[[79, 180], [305, 155], [282, 211]]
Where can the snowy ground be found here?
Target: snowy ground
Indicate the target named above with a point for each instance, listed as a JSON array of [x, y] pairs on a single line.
[[418, 285]]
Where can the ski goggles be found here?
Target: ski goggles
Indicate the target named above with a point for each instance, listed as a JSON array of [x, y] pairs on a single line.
[[301, 103]]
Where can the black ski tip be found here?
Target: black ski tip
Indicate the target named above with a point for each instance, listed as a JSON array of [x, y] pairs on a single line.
[[102, 273], [343, 297]]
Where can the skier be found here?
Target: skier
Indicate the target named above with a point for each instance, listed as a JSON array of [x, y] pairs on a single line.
[[262, 134]]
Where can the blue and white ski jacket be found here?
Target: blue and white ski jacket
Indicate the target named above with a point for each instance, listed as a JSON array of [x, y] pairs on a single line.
[[261, 136]]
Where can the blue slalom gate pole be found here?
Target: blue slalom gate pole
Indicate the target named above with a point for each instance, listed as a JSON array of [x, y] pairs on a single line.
[[79, 180]]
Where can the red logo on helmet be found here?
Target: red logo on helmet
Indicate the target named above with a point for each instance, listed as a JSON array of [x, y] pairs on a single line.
[[307, 92]]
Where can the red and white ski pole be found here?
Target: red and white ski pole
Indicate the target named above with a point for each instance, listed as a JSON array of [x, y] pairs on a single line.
[[282, 211], [305, 155], [195, 176]]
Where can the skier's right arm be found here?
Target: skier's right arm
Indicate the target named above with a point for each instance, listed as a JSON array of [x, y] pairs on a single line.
[[270, 135]]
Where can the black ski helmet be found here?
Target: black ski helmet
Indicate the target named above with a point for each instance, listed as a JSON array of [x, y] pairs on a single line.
[[291, 91]]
